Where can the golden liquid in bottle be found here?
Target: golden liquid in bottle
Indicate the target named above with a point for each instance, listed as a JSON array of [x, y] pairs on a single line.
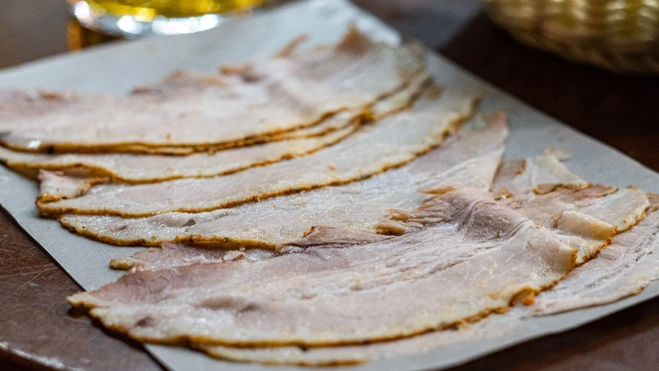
[[147, 10]]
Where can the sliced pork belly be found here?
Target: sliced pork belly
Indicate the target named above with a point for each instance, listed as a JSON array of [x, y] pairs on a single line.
[[621, 269], [133, 168], [261, 98], [392, 142], [468, 159], [384, 290]]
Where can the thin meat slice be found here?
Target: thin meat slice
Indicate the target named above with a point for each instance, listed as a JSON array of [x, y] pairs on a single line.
[[392, 142], [524, 179], [19, 108], [542, 210], [586, 218], [596, 212], [491, 327], [621, 269], [259, 99], [387, 104], [585, 215], [55, 186], [577, 216], [467, 159], [175, 255], [350, 294], [132, 168], [608, 277]]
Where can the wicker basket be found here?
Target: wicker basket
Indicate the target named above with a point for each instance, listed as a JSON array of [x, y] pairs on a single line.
[[620, 35]]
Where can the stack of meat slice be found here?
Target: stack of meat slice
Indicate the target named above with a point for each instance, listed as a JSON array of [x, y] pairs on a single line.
[[256, 102], [323, 207], [464, 253]]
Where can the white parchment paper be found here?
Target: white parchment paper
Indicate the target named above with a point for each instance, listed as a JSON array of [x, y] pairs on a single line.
[[117, 68]]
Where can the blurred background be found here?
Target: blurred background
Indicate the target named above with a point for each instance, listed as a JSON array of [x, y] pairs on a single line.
[[33, 29], [618, 35]]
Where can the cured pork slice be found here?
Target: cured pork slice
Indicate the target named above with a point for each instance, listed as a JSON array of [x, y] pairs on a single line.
[[468, 159], [524, 179], [491, 327], [586, 227], [20, 108], [544, 210], [261, 98], [392, 142], [597, 280], [134, 168], [398, 287], [586, 218], [600, 280], [585, 215], [621, 269], [388, 104], [175, 255], [547, 192], [55, 186]]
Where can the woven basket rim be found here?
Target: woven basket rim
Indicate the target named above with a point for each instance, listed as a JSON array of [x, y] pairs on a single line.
[[599, 44]]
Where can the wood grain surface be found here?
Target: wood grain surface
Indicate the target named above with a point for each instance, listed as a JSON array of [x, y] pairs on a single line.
[[37, 330]]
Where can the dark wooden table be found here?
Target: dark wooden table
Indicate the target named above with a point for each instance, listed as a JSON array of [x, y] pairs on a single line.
[[38, 331]]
